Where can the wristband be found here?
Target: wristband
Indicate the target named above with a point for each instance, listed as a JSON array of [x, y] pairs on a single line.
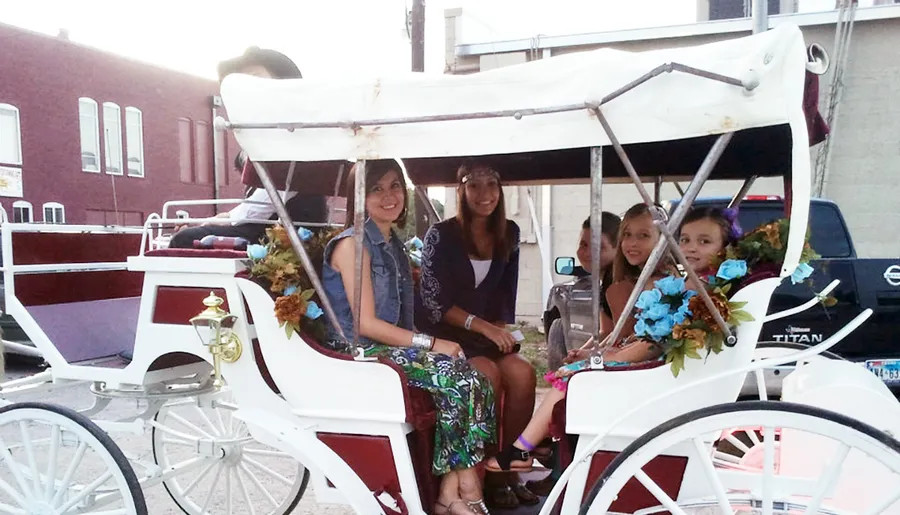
[[469, 320], [422, 341]]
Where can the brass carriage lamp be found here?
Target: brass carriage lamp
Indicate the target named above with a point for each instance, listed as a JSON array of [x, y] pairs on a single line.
[[215, 327]]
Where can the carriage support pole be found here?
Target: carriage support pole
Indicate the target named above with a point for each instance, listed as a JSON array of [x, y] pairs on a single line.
[[359, 219], [296, 244], [693, 190], [596, 235]]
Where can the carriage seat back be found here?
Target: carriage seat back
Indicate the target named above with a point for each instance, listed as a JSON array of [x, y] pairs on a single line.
[[343, 389], [597, 399], [70, 289]]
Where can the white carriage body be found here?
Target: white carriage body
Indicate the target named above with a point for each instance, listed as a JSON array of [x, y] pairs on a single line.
[[546, 105]]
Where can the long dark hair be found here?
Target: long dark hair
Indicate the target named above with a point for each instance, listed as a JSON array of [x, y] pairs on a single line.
[[496, 225], [375, 170], [609, 227]]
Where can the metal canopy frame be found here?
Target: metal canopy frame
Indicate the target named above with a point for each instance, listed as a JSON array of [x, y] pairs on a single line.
[[667, 229]]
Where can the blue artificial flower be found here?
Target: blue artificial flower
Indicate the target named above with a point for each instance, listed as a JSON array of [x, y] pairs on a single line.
[[647, 299], [682, 313], [662, 328], [731, 269], [416, 258], [670, 285], [657, 311], [304, 233], [289, 290], [641, 328], [257, 251], [687, 295], [415, 243], [801, 273], [313, 311]]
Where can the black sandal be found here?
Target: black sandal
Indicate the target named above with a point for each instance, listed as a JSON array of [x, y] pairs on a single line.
[[508, 455]]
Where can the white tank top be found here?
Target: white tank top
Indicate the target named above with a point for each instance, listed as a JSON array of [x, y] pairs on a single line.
[[481, 269]]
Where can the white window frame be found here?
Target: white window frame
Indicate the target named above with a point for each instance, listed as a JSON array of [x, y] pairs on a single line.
[[54, 206], [15, 110], [110, 134], [93, 105], [138, 130], [24, 204]]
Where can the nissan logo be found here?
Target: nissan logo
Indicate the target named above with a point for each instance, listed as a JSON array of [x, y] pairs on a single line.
[[892, 275]]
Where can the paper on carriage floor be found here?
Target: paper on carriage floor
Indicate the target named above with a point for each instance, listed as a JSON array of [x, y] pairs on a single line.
[[517, 334]]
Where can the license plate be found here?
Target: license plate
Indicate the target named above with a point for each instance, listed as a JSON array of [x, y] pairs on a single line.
[[888, 370]]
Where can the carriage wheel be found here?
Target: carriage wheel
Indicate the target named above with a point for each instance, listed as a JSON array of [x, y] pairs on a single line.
[[810, 459], [55, 460], [226, 471]]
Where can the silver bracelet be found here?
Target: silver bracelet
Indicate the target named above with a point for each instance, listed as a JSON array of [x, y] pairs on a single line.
[[469, 320], [423, 341]]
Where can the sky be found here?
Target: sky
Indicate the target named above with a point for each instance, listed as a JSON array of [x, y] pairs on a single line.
[[326, 37]]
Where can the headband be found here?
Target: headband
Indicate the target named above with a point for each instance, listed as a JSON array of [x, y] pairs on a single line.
[[734, 228], [479, 172]]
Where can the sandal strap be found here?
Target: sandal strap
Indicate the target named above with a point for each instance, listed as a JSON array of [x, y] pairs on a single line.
[[511, 454]]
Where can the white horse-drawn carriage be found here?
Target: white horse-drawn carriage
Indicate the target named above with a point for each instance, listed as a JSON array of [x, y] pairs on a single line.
[[104, 307]]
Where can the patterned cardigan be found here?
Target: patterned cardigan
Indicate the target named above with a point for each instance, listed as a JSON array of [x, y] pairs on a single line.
[[447, 279]]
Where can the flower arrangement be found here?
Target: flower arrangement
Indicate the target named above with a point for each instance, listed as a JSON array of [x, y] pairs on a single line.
[[677, 319], [275, 265], [766, 245]]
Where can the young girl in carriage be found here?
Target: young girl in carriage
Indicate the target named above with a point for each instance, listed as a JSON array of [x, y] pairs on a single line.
[[703, 235], [463, 397]]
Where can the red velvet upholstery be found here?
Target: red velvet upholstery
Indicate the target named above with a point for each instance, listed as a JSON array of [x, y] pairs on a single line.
[[202, 253]]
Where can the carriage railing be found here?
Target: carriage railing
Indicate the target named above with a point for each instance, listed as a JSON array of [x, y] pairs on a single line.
[[667, 229]]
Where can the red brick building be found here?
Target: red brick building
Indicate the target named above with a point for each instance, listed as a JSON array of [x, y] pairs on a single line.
[[87, 136]]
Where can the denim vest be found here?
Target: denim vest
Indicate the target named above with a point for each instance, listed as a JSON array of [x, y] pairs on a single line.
[[391, 282]]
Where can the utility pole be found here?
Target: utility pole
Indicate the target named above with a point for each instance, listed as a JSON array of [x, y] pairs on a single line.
[[417, 45]]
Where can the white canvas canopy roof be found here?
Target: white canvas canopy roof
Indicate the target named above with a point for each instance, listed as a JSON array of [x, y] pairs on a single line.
[[671, 106]]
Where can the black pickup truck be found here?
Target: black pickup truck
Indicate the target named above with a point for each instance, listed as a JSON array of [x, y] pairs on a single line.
[[864, 283]]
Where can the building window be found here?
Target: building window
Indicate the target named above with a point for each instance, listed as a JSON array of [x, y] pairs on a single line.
[[22, 212], [185, 154], [54, 213], [112, 132], [89, 123], [134, 141], [203, 153], [10, 136]]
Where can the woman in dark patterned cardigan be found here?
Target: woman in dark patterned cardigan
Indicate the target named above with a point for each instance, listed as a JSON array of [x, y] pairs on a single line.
[[467, 294]]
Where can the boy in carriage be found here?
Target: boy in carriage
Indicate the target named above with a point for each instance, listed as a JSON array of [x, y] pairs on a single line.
[[239, 221]]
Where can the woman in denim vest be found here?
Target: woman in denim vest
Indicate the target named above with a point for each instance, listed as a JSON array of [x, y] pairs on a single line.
[[463, 397]]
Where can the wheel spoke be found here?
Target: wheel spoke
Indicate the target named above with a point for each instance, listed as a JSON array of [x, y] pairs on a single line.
[[14, 468], [228, 491], [199, 478], [207, 421], [737, 443], [259, 485], [85, 492], [657, 492], [179, 442], [243, 488], [269, 471], [188, 424], [16, 496], [768, 480], [29, 455], [267, 452], [51, 462], [212, 488], [832, 471], [67, 477], [5, 508], [706, 462]]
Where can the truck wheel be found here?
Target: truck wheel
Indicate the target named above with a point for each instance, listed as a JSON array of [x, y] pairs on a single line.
[[556, 345]]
